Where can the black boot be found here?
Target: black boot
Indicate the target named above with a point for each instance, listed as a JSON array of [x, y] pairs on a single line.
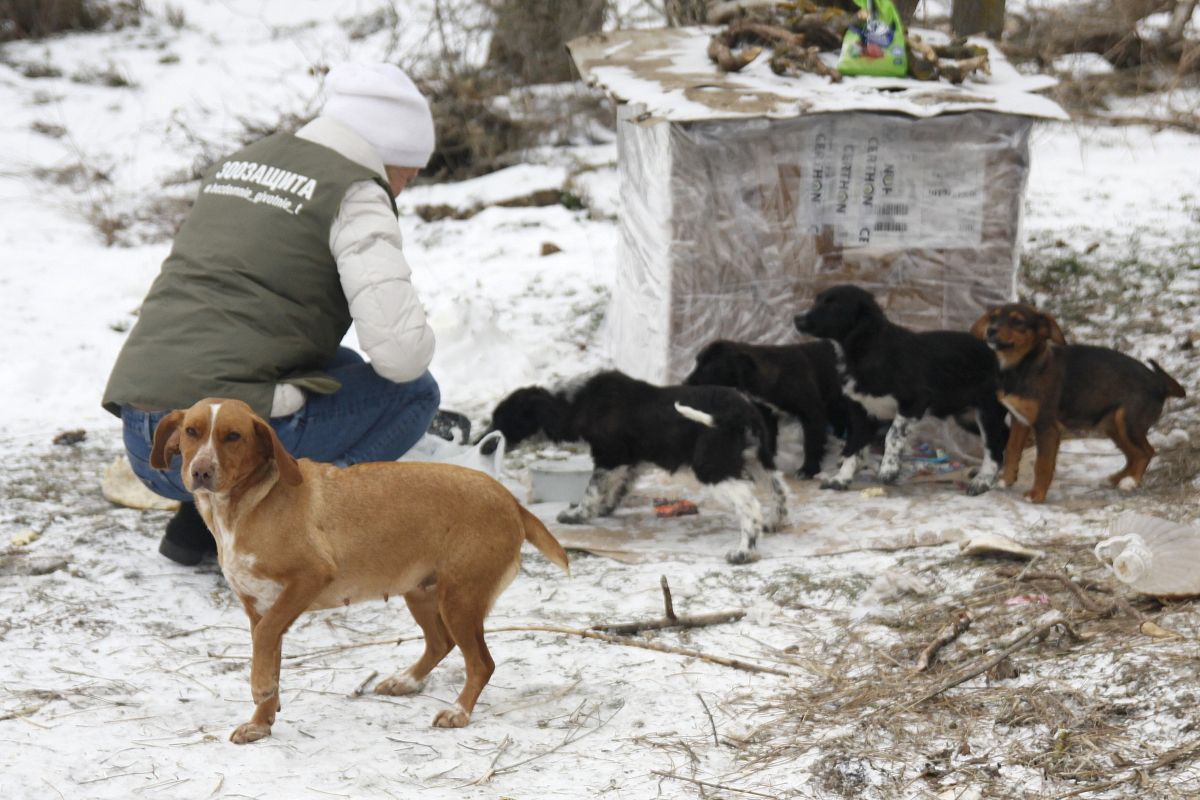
[[187, 539]]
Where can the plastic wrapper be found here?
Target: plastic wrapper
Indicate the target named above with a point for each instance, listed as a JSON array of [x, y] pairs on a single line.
[[730, 227]]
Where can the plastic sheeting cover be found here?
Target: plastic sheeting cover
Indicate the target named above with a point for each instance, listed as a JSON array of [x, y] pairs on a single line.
[[730, 227]]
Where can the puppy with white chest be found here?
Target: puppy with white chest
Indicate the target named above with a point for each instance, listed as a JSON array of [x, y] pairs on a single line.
[[294, 536], [892, 373], [628, 423]]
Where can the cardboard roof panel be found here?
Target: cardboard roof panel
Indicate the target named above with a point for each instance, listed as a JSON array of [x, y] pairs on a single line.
[[668, 72]]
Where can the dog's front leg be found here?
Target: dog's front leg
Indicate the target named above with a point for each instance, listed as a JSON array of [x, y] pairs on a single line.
[[859, 429], [1017, 437], [604, 492], [267, 636], [893, 447]]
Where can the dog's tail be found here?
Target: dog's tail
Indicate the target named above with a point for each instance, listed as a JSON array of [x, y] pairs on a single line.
[[1169, 384], [696, 415], [541, 538]]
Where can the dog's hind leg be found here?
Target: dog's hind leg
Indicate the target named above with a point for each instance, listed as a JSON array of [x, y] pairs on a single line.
[[775, 513], [423, 604], [739, 494], [1136, 447], [606, 489], [464, 613]]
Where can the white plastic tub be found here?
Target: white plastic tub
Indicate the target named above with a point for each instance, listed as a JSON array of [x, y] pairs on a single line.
[[559, 481]]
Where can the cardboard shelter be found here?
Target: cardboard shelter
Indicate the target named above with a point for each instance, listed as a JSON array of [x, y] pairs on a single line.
[[745, 194]]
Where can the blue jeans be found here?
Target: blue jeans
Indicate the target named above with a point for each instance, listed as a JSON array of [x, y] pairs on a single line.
[[368, 419]]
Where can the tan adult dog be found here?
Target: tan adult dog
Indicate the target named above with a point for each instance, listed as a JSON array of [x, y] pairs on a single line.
[[294, 536]]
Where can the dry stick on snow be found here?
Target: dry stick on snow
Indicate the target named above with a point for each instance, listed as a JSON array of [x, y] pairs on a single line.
[[1043, 626], [645, 645], [711, 722], [362, 687], [670, 619], [962, 621], [709, 784]]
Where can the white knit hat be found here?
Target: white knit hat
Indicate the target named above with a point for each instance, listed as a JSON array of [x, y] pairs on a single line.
[[380, 103]]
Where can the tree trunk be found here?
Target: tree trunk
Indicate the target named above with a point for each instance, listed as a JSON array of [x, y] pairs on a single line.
[[977, 16], [530, 36]]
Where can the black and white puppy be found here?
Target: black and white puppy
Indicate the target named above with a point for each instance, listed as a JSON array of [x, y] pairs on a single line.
[[800, 380], [891, 372], [629, 423]]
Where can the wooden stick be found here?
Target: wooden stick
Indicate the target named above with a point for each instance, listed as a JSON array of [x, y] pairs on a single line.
[[1043, 626], [711, 721], [670, 619], [697, 621], [1166, 759], [668, 605], [645, 645], [962, 621]]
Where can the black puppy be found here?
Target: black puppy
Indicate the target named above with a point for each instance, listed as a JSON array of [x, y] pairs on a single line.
[[629, 423], [798, 379], [891, 372]]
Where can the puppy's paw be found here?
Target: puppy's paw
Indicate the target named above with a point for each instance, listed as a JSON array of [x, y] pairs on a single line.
[[741, 556], [398, 685], [836, 484], [889, 475], [976, 488], [1035, 497], [573, 516], [808, 472], [1003, 483], [775, 526], [1127, 484], [452, 717], [249, 732]]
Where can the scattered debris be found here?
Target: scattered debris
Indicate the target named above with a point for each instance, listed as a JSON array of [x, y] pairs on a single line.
[[25, 538], [874, 491], [1154, 556], [71, 437], [993, 544], [550, 248], [666, 507], [961, 623], [122, 487]]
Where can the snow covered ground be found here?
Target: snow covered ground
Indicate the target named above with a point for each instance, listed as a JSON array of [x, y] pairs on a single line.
[[122, 674]]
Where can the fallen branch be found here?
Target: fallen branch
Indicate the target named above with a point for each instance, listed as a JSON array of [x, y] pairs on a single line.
[[669, 618], [1041, 628], [947, 635], [646, 645]]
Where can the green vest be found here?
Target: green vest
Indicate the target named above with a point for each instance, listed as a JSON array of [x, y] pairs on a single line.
[[249, 296]]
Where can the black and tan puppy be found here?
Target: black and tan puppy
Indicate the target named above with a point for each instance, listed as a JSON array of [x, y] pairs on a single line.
[[1049, 385], [713, 430], [891, 372], [800, 380]]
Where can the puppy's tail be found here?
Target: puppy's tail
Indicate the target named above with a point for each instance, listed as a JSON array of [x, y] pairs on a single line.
[[1169, 384], [541, 538], [696, 415]]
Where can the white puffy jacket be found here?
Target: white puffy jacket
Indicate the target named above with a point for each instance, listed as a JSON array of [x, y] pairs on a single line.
[[366, 244]]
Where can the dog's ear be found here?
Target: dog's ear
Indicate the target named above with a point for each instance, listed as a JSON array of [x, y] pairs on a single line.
[[1048, 329], [272, 448], [979, 329], [751, 375], [711, 350], [166, 441]]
